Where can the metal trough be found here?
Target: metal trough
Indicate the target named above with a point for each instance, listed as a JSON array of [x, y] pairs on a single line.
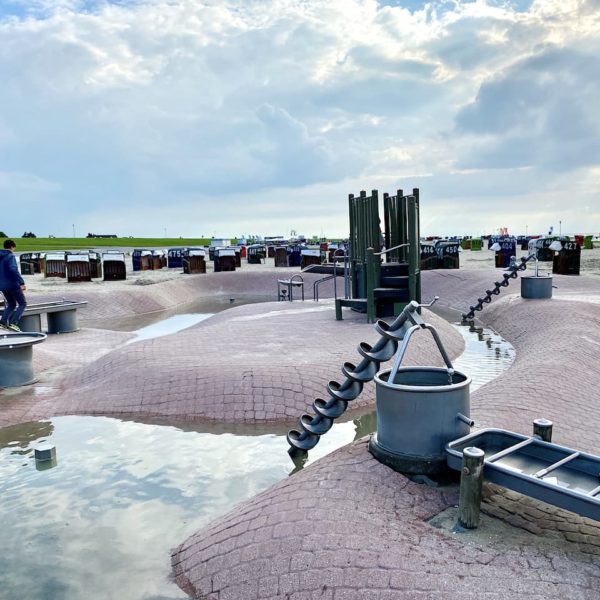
[[555, 474], [16, 358]]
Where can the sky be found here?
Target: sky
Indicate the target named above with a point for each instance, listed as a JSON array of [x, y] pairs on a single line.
[[226, 117]]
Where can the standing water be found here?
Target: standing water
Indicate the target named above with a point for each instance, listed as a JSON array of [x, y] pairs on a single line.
[[101, 523]]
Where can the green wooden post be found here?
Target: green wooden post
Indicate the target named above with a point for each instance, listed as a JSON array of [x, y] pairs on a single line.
[[417, 241], [387, 209], [370, 285], [362, 226], [338, 309], [375, 224], [402, 224], [418, 201], [353, 244], [414, 274]]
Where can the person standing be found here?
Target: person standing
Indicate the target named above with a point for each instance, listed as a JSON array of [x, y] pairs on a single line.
[[12, 287]]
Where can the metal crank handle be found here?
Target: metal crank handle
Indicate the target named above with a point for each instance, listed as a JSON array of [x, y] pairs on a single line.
[[435, 299]]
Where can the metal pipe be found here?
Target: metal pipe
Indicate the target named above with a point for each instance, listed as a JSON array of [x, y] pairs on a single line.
[[465, 419], [401, 351], [511, 449], [390, 249], [441, 348], [543, 472]]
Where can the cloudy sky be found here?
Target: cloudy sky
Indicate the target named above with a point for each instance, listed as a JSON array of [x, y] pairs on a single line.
[[225, 117]]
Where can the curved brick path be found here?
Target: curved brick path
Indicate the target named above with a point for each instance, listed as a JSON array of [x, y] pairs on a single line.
[[349, 528], [257, 362]]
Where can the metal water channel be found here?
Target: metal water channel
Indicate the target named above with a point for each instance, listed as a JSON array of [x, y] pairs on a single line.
[[101, 523]]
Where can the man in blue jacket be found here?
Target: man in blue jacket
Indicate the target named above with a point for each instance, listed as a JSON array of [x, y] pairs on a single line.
[[12, 286]]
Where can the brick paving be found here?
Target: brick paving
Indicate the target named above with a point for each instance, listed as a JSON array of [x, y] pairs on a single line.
[[252, 363], [349, 528]]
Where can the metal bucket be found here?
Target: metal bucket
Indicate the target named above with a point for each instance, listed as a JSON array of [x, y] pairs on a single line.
[[417, 415], [536, 287]]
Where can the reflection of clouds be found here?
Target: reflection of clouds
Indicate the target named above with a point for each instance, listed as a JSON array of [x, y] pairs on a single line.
[[122, 496]]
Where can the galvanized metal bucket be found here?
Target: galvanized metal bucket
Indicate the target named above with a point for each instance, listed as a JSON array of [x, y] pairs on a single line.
[[536, 287], [418, 413], [419, 410]]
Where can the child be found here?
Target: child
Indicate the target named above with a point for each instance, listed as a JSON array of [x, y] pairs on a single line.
[[12, 286]]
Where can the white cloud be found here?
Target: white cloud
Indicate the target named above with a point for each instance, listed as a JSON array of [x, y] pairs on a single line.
[[185, 105]]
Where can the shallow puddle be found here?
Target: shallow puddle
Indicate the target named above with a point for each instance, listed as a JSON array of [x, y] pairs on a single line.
[[100, 524], [167, 326]]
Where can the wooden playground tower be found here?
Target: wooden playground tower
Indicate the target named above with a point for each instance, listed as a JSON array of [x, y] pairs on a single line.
[[382, 267]]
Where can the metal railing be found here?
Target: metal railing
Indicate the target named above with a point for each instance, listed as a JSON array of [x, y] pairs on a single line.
[[336, 258], [390, 249]]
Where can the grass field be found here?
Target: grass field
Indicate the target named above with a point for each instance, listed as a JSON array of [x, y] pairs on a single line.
[[43, 244]]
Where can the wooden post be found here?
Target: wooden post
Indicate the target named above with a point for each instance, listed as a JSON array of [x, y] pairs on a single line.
[[370, 286], [352, 244], [471, 479], [542, 428], [375, 224], [414, 255], [402, 224], [386, 221]]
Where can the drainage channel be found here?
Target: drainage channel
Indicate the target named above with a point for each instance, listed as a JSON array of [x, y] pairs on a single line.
[[123, 493]]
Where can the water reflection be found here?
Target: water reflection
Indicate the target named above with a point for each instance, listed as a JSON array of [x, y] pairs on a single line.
[[122, 495], [21, 436], [486, 354], [168, 326], [365, 424]]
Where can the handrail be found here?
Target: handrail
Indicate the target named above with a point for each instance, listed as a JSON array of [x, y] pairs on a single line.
[[319, 281], [336, 258], [390, 249]]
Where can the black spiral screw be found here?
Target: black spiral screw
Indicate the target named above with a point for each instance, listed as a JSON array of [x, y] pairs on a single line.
[[513, 273], [312, 427]]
